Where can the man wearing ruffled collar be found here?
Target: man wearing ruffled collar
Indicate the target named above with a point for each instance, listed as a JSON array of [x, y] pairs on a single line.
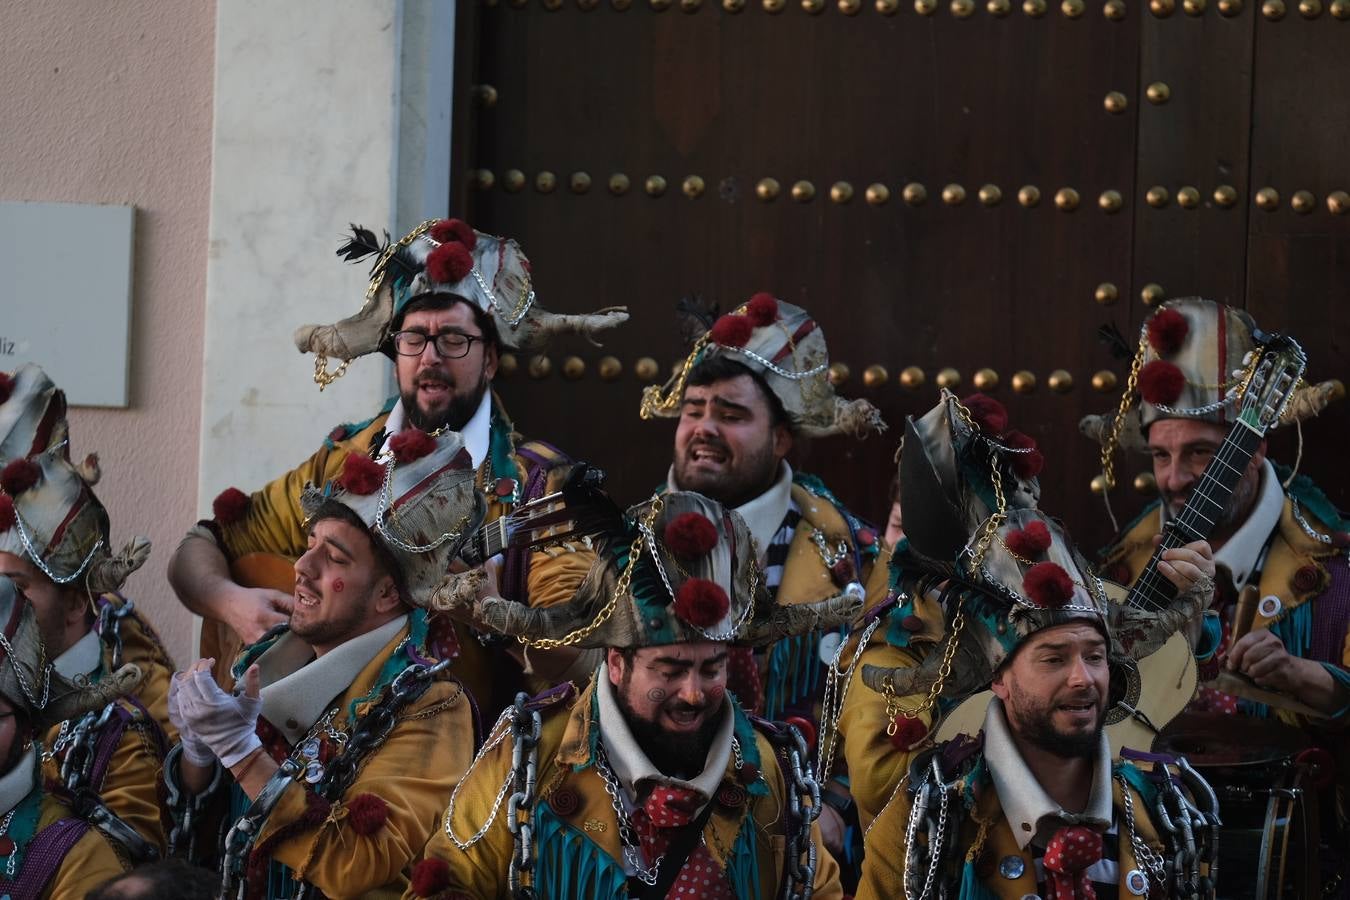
[[344, 741], [442, 303], [652, 781]]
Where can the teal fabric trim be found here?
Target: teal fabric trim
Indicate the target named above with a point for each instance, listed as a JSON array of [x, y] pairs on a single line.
[[569, 864], [1311, 498], [743, 864], [794, 672], [349, 429], [650, 594], [23, 827], [399, 660], [501, 453], [281, 881], [249, 655], [972, 888], [896, 634], [1211, 636], [1147, 791], [1295, 630], [744, 732]]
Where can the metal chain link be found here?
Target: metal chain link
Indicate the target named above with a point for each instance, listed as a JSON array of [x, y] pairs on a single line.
[[628, 836], [801, 849], [835, 693], [525, 727]]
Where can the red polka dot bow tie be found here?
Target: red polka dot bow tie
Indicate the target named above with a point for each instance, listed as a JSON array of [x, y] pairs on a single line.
[[671, 807], [1070, 852]]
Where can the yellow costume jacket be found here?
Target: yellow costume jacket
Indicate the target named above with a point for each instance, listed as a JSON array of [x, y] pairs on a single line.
[[984, 845], [576, 830], [362, 844], [88, 864], [129, 783], [273, 523]]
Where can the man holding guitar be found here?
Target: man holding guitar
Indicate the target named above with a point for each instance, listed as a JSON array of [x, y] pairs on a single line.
[[441, 304]]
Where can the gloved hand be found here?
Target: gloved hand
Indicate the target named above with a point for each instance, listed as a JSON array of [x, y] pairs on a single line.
[[195, 749], [226, 723]]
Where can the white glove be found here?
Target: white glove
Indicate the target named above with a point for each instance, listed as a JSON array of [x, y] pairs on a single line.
[[226, 723], [194, 748]]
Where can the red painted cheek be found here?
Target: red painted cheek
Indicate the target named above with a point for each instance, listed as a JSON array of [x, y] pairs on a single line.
[[715, 694], [338, 585]]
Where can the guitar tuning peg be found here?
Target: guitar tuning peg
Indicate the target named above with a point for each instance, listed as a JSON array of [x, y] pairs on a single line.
[[1248, 357]]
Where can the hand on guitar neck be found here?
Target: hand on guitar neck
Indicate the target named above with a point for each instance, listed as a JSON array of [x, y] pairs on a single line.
[[1189, 568]]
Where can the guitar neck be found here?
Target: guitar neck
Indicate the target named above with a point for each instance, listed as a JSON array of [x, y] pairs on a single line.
[[1196, 522]]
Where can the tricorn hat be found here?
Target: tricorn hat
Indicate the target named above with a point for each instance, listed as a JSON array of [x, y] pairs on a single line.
[[682, 568], [782, 344], [421, 502], [445, 257]]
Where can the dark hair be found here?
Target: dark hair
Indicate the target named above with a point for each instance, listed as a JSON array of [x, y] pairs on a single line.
[[485, 322], [711, 369], [333, 509], [170, 878]]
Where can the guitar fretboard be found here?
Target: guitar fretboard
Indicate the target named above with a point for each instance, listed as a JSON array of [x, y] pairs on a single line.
[[1197, 520]]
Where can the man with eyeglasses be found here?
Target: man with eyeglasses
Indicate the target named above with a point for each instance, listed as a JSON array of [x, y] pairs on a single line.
[[442, 302]]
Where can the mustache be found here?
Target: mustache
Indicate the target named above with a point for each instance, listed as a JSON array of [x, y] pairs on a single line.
[[710, 443], [432, 376], [682, 706]]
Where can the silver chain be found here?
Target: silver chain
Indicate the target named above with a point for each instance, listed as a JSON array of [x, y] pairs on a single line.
[[1196, 411], [777, 370], [24, 685], [801, 849], [37, 559], [386, 494], [628, 836], [1303, 523], [1143, 853], [512, 320], [836, 692], [500, 735], [525, 727]]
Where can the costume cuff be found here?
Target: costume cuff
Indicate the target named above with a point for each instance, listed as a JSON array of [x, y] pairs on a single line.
[[1342, 679]]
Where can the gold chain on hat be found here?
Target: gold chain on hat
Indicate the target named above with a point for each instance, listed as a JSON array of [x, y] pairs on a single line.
[[652, 401], [322, 377], [1127, 399], [621, 587]]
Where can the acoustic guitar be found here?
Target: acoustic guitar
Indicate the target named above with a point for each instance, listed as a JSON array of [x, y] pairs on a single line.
[[1155, 689], [578, 512]]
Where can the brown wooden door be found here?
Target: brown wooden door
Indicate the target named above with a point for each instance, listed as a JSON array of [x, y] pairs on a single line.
[[977, 178]]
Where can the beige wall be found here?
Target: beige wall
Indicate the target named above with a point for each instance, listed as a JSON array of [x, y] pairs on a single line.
[[111, 102]]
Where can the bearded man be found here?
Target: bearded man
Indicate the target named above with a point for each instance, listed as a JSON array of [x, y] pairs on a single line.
[[652, 781], [1034, 803], [443, 303]]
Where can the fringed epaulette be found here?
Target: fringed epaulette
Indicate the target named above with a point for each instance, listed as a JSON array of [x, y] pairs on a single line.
[[569, 863], [348, 430]]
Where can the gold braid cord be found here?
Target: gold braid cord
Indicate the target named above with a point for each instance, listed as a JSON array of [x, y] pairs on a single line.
[[1127, 400], [621, 588], [653, 403]]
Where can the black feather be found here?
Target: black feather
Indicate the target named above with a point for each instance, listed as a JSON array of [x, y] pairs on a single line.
[[361, 244], [694, 316], [402, 265], [1115, 342]]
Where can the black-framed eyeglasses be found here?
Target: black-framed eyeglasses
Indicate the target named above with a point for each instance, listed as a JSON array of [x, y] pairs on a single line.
[[449, 344]]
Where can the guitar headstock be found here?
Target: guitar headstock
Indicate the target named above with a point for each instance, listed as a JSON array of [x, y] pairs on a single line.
[[579, 511], [1279, 366]]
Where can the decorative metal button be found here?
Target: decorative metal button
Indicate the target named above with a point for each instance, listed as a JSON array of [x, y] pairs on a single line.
[[1114, 10], [1268, 199], [310, 749], [1188, 197], [914, 193], [1115, 102], [655, 186], [1270, 606], [948, 378], [877, 194], [911, 377], [838, 373], [1029, 195], [1023, 381], [875, 376], [829, 646], [1106, 293], [313, 771], [803, 191], [1011, 867], [1136, 882], [1145, 483], [1060, 381]]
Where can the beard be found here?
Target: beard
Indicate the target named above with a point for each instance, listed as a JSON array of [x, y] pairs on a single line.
[[1234, 512], [678, 754], [1034, 723], [337, 627], [458, 411], [752, 475]]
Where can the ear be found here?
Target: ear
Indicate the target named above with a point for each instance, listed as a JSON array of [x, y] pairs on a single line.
[[387, 597], [490, 360], [782, 441], [1000, 685], [76, 604], [614, 663]]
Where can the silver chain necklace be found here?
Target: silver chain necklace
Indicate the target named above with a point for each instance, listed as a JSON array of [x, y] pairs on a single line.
[[628, 836]]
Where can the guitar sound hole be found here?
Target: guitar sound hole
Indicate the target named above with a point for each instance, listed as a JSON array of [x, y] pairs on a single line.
[[1126, 686]]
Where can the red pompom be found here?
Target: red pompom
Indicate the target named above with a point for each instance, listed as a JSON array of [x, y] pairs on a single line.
[[1028, 464], [230, 506], [430, 876], [1161, 382], [360, 474], [317, 809], [1047, 584], [690, 535], [1167, 332], [411, 444], [6, 386], [701, 603], [1029, 542], [7, 514], [449, 263], [447, 230], [367, 813], [19, 475], [731, 330], [908, 732], [762, 309], [989, 415]]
